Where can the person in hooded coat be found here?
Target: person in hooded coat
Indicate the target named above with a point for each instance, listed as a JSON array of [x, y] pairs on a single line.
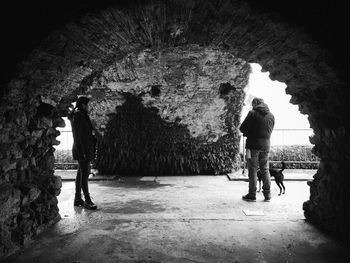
[[83, 151], [257, 127]]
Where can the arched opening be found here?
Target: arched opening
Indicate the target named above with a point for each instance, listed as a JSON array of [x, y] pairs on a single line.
[[70, 60], [63, 154], [290, 140]]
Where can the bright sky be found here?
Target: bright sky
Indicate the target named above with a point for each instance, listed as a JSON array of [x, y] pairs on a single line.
[[287, 115]]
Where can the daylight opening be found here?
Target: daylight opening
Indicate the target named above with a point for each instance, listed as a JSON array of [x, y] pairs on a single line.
[[63, 153], [290, 137]]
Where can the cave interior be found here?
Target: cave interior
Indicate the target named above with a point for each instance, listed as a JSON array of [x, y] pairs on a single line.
[[166, 81]]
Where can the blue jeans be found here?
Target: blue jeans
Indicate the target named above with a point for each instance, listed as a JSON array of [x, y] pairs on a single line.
[[259, 159]]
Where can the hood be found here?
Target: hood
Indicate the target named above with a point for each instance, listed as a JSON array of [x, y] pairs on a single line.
[[262, 108]]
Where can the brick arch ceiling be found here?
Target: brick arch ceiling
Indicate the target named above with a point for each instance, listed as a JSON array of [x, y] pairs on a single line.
[[83, 48]]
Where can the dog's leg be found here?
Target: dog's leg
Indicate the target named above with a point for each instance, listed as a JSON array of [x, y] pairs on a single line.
[[284, 189], [278, 184], [259, 186]]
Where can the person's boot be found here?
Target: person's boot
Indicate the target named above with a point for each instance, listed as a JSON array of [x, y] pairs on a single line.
[[249, 198], [89, 204], [267, 196], [78, 201]]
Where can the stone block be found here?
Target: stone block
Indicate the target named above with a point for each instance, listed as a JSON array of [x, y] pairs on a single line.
[[39, 144], [25, 200], [22, 164], [48, 101], [37, 133], [34, 193], [17, 137], [32, 141], [50, 161], [50, 131], [32, 161], [15, 151], [21, 176], [59, 122], [7, 246], [4, 137], [57, 184], [10, 199], [21, 120], [8, 165], [45, 122], [28, 152], [54, 141]]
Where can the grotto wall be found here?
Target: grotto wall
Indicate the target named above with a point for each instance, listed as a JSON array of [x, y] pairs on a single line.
[[174, 111], [299, 43], [28, 186]]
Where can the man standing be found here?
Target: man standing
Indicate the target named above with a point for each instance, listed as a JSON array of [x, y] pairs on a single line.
[[83, 151], [257, 127]]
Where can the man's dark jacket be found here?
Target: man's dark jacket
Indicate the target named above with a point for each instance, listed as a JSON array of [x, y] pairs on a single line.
[[257, 127], [84, 141]]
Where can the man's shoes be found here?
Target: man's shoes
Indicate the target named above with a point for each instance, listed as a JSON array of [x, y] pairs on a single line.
[[249, 198], [89, 204], [267, 199], [79, 202]]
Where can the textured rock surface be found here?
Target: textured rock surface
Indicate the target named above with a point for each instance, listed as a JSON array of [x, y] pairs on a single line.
[[310, 61], [28, 202], [188, 80], [177, 112]]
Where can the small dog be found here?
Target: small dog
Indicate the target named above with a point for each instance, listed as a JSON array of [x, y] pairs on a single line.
[[279, 177]]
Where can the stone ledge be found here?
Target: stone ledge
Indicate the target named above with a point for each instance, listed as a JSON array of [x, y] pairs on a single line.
[[289, 175]]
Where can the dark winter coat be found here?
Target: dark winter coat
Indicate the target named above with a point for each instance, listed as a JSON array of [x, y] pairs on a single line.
[[257, 127], [84, 141]]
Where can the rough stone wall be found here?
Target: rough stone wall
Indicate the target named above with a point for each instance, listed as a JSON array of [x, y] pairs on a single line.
[[65, 63], [178, 111], [328, 206], [28, 187]]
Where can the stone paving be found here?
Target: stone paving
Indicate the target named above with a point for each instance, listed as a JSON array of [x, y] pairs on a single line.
[[290, 175], [183, 219]]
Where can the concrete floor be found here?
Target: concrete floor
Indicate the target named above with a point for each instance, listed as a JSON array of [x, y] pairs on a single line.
[[183, 219]]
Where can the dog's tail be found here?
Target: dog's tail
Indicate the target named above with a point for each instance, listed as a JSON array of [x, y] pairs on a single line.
[[283, 166]]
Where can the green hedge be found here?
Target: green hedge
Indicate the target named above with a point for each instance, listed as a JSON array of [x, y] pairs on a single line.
[[64, 160], [296, 157], [292, 153]]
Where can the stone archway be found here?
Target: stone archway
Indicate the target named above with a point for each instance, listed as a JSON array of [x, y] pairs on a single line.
[[69, 60]]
